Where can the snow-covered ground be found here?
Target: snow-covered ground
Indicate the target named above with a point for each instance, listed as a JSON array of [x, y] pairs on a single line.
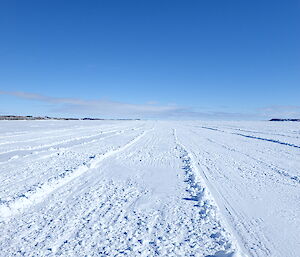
[[149, 188]]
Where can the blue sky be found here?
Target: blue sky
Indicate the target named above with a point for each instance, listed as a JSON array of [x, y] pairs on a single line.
[[150, 59]]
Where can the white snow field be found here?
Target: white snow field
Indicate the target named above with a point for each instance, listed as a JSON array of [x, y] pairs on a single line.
[[149, 188]]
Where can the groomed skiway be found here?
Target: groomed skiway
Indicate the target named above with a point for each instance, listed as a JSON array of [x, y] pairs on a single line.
[[149, 188]]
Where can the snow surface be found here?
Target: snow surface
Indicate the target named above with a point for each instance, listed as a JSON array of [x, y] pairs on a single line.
[[149, 188]]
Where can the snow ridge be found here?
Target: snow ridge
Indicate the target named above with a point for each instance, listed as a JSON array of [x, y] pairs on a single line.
[[204, 200], [34, 196]]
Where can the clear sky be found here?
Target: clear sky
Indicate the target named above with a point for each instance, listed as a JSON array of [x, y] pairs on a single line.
[[204, 59]]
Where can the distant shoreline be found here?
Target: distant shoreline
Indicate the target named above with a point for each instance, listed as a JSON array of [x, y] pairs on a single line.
[[284, 120], [16, 117], [29, 117]]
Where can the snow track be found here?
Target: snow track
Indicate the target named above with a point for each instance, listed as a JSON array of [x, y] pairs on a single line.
[[36, 195], [203, 199], [137, 188]]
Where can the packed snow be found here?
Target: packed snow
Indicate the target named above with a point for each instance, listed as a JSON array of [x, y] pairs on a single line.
[[149, 188]]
